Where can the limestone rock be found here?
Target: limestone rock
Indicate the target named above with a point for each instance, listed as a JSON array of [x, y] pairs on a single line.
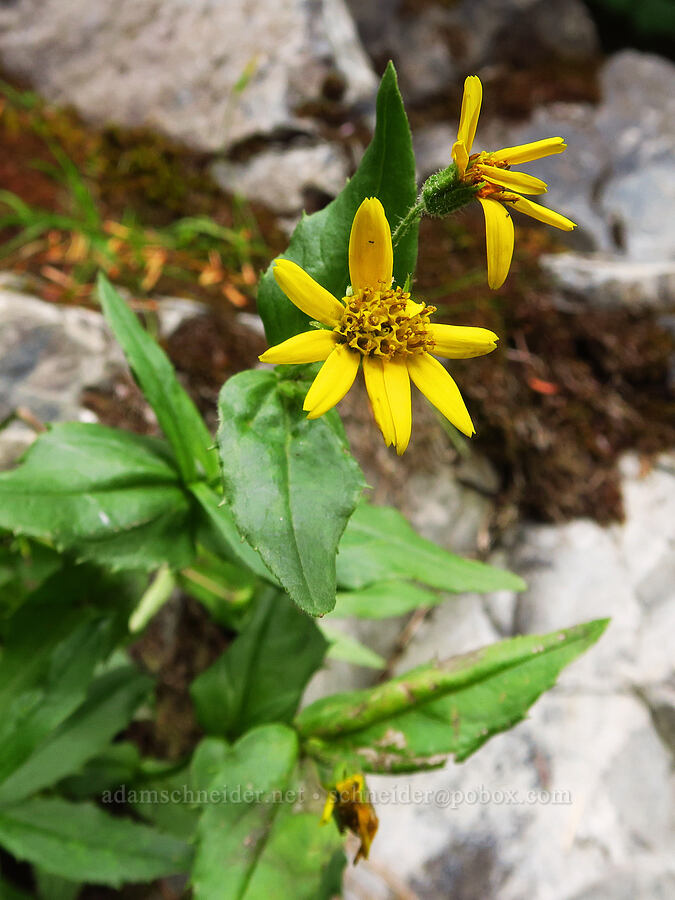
[[574, 803], [434, 44], [607, 281], [209, 73], [48, 354], [281, 178]]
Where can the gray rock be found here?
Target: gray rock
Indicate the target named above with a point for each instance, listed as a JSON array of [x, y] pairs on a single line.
[[543, 31], [637, 114], [617, 177], [210, 73], [15, 439], [580, 571], [607, 281], [638, 205], [433, 148], [448, 510], [457, 626], [281, 177], [628, 884], [595, 751], [437, 43], [48, 354]]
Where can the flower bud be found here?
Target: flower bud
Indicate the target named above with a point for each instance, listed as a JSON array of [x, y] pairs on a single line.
[[444, 192]]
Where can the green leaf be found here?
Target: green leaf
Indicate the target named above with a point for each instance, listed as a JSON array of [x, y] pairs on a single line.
[[104, 494], [262, 675], [111, 701], [380, 545], [320, 242], [53, 644], [24, 565], [220, 523], [255, 846], [207, 761], [333, 873], [117, 764], [80, 842], [348, 649], [166, 801], [291, 484], [176, 413], [413, 722], [384, 599], [53, 887]]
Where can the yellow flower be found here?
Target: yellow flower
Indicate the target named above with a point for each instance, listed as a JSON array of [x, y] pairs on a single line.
[[381, 326], [348, 804], [501, 187]]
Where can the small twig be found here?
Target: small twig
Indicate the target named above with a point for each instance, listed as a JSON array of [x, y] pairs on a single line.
[[410, 630], [29, 418]]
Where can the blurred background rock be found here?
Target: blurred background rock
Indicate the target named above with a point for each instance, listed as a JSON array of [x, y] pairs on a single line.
[[126, 128]]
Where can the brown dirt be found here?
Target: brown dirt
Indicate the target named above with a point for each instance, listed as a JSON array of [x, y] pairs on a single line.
[[566, 392], [180, 643]]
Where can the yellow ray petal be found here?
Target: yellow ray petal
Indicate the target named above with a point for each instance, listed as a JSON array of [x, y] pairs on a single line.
[[371, 257], [541, 213], [440, 389], [374, 378], [307, 347], [499, 238], [514, 181], [460, 157], [397, 385], [335, 378], [527, 152], [461, 341], [471, 102], [307, 294]]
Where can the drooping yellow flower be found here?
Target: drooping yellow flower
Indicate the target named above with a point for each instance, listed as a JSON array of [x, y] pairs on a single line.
[[348, 804], [501, 188], [381, 326]]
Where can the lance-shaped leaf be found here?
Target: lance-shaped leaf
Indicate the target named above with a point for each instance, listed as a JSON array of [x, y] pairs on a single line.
[[344, 647], [291, 484], [261, 676], [81, 842], [320, 242], [253, 844], [379, 544], [104, 494], [413, 722], [176, 413], [383, 599], [111, 701]]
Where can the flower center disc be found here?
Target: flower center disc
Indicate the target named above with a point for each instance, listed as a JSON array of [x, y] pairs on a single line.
[[385, 323]]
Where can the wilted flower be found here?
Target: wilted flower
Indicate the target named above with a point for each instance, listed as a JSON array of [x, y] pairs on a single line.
[[348, 804]]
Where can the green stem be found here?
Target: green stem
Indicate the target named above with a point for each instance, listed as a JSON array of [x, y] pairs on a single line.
[[411, 218], [153, 599]]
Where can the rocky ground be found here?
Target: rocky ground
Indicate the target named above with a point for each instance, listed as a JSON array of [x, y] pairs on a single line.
[[571, 488]]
